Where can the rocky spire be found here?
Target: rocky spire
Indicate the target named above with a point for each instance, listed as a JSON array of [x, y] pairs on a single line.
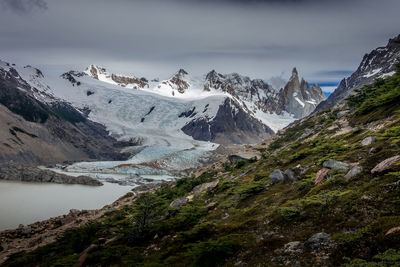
[[295, 74]]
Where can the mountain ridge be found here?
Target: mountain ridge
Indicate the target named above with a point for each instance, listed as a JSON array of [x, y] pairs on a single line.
[[379, 63]]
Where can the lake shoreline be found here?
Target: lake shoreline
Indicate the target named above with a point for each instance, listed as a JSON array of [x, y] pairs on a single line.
[[41, 233]]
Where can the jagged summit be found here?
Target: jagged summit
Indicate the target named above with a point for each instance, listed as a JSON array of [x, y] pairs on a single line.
[[295, 73]]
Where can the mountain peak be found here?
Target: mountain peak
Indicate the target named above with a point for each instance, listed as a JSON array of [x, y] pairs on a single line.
[[95, 71], [295, 75], [294, 72], [181, 73]]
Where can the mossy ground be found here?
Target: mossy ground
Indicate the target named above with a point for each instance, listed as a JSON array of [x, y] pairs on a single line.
[[229, 224]]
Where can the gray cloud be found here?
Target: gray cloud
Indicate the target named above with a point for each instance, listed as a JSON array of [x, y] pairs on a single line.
[[262, 39], [23, 6]]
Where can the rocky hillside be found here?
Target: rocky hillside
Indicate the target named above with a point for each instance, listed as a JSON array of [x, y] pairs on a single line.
[[36, 128], [380, 63], [325, 193]]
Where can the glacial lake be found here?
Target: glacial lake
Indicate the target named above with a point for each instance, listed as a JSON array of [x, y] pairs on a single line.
[[26, 203]]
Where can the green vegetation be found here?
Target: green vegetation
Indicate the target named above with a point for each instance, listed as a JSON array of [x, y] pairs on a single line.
[[248, 219], [381, 93]]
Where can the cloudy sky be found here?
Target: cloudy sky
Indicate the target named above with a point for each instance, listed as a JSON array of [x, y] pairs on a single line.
[[324, 39]]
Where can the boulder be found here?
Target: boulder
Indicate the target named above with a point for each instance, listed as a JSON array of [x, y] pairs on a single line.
[[318, 240], [290, 175], [177, 203], [321, 175], [369, 140], [356, 170], [74, 211], [305, 133], [206, 187], [211, 205], [390, 164], [334, 164], [293, 247], [393, 230], [25, 230], [277, 176], [342, 114]]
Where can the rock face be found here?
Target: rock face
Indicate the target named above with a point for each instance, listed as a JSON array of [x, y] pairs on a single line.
[[13, 172], [390, 164], [298, 98], [334, 164], [377, 64], [230, 125], [36, 128]]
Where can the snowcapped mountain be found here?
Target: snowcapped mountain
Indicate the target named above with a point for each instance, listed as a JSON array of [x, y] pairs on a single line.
[[379, 63], [37, 128], [274, 107]]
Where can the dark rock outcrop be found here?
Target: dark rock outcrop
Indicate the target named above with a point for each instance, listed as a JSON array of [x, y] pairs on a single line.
[[14, 172], [232, 124]]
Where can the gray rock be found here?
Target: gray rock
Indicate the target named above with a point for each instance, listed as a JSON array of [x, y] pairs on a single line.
[[306, 133], [369, 140], [177, 203], [290, 175], [74, 211], [334, 164], [276, 176], [26, 230], [293, 247], [342, 114], [353, 172], [318, 240], [206, 187]]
